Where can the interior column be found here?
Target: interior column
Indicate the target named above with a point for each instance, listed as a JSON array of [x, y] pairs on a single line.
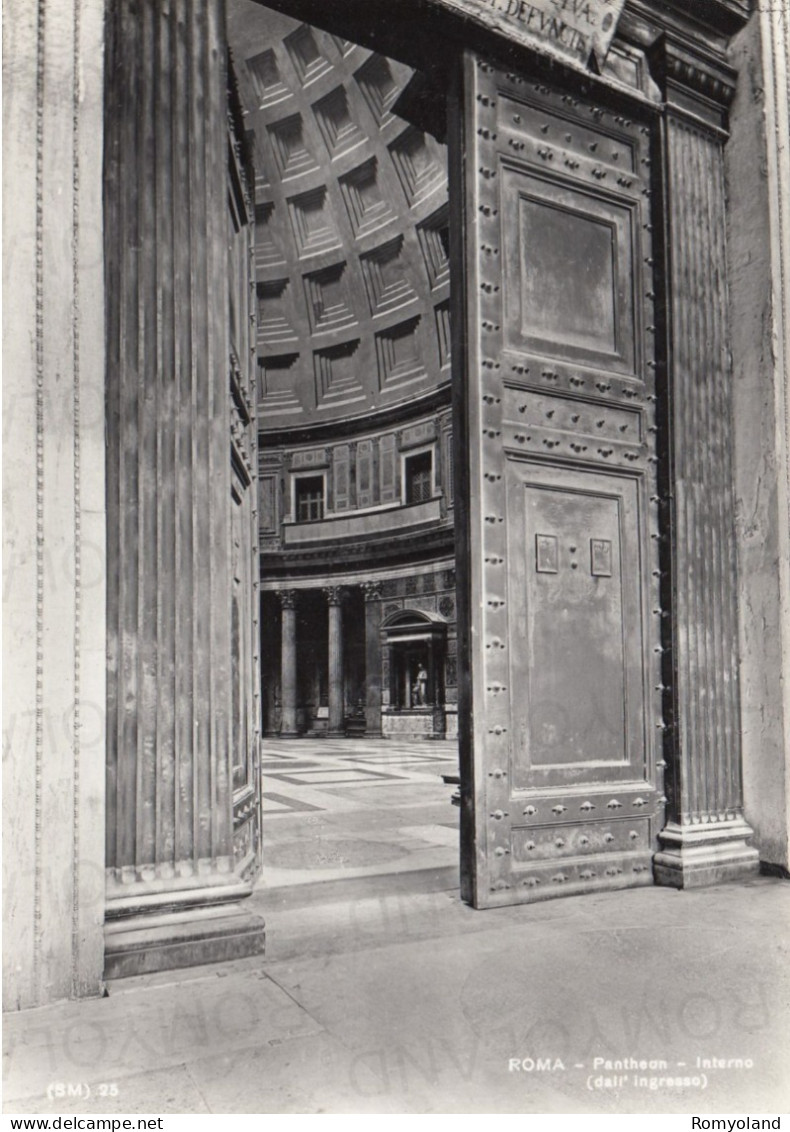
[[373, 667], [706, 836], [334, 596], [387, 698], [288, 727], [170, 845]]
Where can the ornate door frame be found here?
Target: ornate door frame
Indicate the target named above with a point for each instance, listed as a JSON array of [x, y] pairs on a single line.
[[706, 837]]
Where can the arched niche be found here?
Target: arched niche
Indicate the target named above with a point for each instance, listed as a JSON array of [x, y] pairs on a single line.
[[414, 647]]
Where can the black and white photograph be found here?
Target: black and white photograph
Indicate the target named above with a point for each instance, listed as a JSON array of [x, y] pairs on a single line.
[[396, 561]]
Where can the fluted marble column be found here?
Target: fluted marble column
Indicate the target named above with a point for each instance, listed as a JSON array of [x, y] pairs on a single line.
[[334, 597], [169, 795], [288, 728], [372, 658], [705, 840]]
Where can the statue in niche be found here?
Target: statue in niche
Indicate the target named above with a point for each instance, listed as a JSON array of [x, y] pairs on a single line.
[[420, 687]]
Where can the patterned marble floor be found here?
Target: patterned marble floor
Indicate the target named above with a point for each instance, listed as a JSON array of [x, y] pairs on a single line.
[[342, 808]]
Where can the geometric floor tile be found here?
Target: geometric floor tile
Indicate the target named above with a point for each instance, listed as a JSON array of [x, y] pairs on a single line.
[[285, 805], [331, 777], [394, 760], [278, 766]]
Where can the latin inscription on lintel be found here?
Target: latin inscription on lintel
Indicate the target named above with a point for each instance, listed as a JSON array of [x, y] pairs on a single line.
[[575, 29]]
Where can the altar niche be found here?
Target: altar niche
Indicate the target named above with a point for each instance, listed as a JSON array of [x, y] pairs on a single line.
[[414, 646]]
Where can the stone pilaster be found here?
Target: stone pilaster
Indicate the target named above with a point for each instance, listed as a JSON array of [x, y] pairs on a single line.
[[373, 673], [759, 286], [54, 523], [169, 794], [705, 840], [334, 597], [288, 685]]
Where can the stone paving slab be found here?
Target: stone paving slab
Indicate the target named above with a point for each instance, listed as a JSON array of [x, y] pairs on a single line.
[[570, 989], [114, 1038], [312, 1075], [416, 1003]]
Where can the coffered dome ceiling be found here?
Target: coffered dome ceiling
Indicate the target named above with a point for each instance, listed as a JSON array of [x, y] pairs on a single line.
[[351, 225]]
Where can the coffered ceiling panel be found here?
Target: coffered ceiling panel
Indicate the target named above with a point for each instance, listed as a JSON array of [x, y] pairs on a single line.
[[351, 225]]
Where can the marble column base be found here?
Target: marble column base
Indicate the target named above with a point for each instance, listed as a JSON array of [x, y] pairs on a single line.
[[693, 856], [138, 945]]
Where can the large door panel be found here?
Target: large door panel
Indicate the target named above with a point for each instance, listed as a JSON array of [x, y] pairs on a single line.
[[561, 780], [575, 603]]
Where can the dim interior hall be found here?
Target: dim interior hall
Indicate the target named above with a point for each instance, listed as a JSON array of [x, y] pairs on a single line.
[[352, 348]]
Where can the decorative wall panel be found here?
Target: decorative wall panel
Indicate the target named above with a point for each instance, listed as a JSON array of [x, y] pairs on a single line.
[[568, 271], [269, 518], [388, 470], [341, 462], [365, 473], [581, 698]]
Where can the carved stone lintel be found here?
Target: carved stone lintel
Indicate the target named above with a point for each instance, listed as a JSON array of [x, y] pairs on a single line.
[[724, 17], [693, 79]]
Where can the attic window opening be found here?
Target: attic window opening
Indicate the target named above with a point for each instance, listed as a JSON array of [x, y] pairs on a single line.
[[309, 499], [419, 478]]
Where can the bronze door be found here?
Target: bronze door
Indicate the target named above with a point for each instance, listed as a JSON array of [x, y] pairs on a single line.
[[561, 779]]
